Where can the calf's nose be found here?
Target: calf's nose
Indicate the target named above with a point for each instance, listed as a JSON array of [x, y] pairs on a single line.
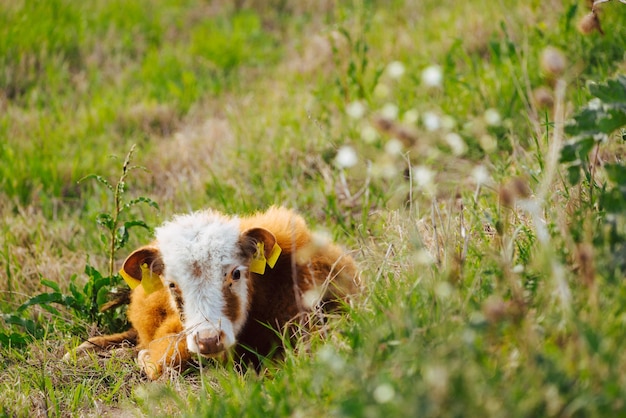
[[209, 342]]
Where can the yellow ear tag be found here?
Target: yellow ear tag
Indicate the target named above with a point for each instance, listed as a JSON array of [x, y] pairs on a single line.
[[130, 280], [257, 265], [151, 282], [271, 261]]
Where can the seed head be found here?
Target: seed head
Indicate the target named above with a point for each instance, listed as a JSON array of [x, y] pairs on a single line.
[[543, 98], [553, 62], [589, 23]]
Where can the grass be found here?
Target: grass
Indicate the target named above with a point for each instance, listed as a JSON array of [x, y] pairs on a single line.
[[492, 272]]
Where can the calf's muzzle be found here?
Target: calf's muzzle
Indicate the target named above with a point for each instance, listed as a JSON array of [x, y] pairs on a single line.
[[209, 342]]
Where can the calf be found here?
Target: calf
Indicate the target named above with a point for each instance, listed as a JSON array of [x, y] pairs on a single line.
[[212, 282]]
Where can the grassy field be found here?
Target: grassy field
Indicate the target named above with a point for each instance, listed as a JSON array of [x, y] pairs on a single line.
[[448, 144]]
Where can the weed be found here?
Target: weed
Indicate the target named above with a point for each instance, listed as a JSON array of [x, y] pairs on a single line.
[[85, 302]]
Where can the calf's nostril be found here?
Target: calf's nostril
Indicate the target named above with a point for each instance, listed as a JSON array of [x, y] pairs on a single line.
[[209, 342]]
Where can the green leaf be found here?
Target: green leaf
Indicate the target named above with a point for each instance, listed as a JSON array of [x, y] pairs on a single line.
[[142, 199], [584, 121], [105, 220], [103, 296], [28, 324], [568, 152], [613, 92], [78, 295], [573, 174], [99, 179], [103, 281], [54, 286], [42, 299], [14, 339], [577, 149], [134, 223], [611, 120], [616, 173], [121, 237], [613, 201], [92, 272]]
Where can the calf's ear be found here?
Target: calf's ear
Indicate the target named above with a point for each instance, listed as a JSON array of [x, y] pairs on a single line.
[[251, 237], [139, 262]]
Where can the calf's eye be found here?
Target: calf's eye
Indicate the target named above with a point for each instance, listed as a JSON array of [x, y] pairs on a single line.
[[236, 274]]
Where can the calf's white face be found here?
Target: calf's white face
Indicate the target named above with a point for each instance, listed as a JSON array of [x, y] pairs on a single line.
[[205, 274], [203, 259]]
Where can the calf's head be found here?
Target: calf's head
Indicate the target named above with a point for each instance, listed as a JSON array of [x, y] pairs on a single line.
[[203, 260]]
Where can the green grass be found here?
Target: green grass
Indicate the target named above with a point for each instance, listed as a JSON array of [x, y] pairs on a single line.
[[492, 274]]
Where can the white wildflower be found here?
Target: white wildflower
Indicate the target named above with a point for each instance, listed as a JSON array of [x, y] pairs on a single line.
[[356, 110], [480, 174], [382, 91], [411, 116], [329, 357], [389, 111], [518, 269], [468, 336], [384, 393], [476, 318], [394, 147], [432, 76], [386, 170], [492, 117], [346, 157], [422, 256], [369, 134], [436, 376], [456, 143], [488, 143], [395, 69], [443, 290], [423, 177], [431, 121], [448, 122]]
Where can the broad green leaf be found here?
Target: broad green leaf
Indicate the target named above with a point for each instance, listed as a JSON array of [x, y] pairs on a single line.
[[584, 121], [40, 299], [616, 173], [611, 92], [573, 174], [28, 324], [613, 201], [103, 296], [612, 120], [14, 339], [92, 272], [577, 149]]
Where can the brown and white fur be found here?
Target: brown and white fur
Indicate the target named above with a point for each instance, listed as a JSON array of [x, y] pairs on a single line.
[[211, 302]]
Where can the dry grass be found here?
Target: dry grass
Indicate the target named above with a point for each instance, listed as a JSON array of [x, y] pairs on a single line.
[[35, 247]]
